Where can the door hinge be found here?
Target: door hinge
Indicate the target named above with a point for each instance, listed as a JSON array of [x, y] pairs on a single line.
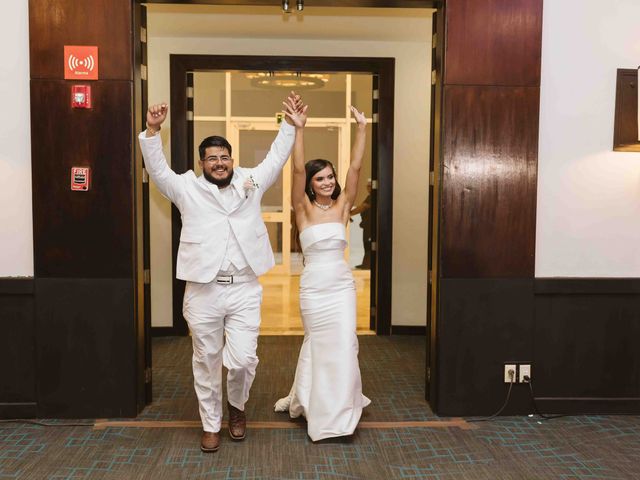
[[376, 94], [374, 184], [189, 116], [143, 72], [145, 176], [143, 35], [374, 246], [430, 277], [189, 92], [375, 118], [432, 178], [374, 311], [147, 276], [434, 77], [147, 375], [428, 374], [434, 40]]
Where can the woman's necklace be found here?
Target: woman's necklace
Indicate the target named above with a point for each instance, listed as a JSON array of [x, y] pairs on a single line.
[[323, 207]]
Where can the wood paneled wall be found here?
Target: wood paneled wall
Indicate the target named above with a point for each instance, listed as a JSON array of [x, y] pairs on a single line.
[[17, 348], [86, 264], [489, 181], [493, 42], [488, 137]]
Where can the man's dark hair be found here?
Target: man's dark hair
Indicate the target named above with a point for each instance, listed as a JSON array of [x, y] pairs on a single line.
[[314, 166], [213, 141]]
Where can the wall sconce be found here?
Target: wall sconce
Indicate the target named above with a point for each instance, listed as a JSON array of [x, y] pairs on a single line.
[[299, 5], [626, 126]]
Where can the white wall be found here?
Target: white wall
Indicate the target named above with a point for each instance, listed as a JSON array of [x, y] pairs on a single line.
[[588, 222], [411, 139], [16, 231]]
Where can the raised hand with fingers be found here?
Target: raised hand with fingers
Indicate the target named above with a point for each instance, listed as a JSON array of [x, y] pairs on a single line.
[[296, 100], [295, 111], [156, 115], [360, 117]]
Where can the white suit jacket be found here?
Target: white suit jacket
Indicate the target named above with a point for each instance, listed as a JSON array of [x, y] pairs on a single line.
[[206, 223]]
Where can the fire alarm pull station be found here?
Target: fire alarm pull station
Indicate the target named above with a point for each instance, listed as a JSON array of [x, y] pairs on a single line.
[[81, 96], [80, 179]]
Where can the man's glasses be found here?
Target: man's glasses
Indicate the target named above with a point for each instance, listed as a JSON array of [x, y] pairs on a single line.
[[221, 159]]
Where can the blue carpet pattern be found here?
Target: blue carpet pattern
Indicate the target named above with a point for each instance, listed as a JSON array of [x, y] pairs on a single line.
[[580, 447]]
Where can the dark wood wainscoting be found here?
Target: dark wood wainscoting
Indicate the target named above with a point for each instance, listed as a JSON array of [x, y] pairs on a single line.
[[585, 341], [86, 355], [484, 322], [579, 335], [17, 348]]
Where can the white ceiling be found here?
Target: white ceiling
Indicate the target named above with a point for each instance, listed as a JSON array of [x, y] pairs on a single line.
[[269, 22]]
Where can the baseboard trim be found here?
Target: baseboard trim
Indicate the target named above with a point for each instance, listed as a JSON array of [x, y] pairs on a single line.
[[586, 286], [588, 406], [16, 286], [18, 410], [408, 330], [166, 332]]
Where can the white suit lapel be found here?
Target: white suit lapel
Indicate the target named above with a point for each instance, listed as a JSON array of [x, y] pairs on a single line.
[[204, 183], [237, 182]]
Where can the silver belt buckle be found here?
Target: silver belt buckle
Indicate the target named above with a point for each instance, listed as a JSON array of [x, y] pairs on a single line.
[[225, 279]]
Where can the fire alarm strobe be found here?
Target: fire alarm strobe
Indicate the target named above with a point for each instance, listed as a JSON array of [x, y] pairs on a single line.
[[81, 96], [80, 179]]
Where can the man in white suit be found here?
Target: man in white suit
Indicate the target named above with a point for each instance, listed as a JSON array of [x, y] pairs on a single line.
[[224, 247]]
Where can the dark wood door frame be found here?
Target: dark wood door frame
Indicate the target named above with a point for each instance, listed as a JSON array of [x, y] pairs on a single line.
[[383, 68]]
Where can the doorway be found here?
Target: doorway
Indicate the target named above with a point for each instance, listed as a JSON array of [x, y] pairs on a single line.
[[257, 128], [408, 286], [243, 106]]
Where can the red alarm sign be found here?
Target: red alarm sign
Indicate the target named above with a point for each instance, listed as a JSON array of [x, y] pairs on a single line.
[[80, 179], [80, 62]]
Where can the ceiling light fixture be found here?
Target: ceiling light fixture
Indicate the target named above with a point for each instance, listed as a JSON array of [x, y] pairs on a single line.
[[296, 80]]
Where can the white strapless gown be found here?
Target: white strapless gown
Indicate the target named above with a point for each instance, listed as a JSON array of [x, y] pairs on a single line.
[[327, 388]]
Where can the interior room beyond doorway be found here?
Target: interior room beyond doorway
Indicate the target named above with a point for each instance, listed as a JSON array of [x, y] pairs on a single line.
[[403, 34], [243, 106]]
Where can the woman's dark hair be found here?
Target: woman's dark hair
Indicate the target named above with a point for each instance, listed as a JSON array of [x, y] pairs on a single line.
[[213, 141], [314, 166]]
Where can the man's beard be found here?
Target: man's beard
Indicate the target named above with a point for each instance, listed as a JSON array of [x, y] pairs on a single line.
[[221, 183]]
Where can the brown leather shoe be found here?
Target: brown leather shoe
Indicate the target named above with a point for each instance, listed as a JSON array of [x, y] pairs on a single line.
[[210, 442], [237, 423]]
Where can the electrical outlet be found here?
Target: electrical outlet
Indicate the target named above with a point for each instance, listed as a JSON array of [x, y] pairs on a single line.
[[524, 370], [509, 372]]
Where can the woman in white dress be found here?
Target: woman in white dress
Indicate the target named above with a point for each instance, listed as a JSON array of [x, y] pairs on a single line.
[[327, 389]]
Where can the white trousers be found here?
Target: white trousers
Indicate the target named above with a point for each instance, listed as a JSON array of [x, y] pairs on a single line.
[[224, 321]]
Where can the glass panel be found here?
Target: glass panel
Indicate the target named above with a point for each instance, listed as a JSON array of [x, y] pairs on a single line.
[[274, 230], [249, 98], [362, 93], [253, 148], [208, 94], [202, 130], [322, 142]]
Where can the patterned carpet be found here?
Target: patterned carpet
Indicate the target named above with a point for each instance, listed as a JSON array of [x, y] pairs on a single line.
[[582, 447]]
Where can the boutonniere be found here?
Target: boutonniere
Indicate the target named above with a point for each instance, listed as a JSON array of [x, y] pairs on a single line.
[[249, 185]]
